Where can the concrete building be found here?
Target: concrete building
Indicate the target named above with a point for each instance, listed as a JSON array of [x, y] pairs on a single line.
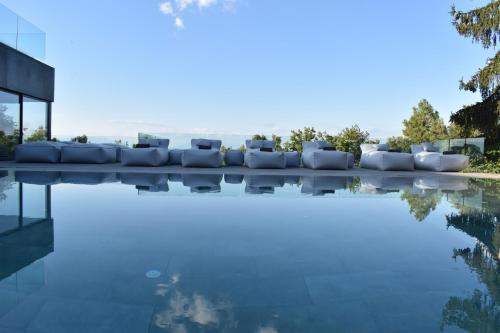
[[26, 84]]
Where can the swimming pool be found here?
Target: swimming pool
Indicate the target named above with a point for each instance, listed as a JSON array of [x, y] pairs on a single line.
[[131, 252]]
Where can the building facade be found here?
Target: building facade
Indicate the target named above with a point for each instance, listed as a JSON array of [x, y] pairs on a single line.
[[26, 84]]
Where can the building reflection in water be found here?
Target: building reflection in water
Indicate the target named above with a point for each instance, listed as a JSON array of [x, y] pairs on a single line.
[[26, 235]]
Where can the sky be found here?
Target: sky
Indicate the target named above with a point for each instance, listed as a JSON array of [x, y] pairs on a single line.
[[250, 66]]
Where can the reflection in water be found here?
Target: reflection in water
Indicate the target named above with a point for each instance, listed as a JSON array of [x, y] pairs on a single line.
[[200, 183], [479, 312], [472, 207], [25, 238], [263, 184], [183, 313], [321, 185]]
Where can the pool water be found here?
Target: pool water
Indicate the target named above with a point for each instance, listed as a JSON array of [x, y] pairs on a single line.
[[105, 252]]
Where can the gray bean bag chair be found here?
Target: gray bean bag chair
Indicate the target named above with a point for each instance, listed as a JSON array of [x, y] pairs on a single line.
[[377, 156], [314, 156], [428, 157], [38, 177], [204, 153], [234, 157], [39, 152], [88, 178], [151, 157], [175, 156], [118, 148], [292, 159], [88, 153], [257, 159]]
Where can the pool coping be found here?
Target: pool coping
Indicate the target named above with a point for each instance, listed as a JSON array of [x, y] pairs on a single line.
[[116, 167]]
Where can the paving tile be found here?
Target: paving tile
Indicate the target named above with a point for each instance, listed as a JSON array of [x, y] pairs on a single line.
[[352, 286], [23, 313], [69, 315], [212, 266]]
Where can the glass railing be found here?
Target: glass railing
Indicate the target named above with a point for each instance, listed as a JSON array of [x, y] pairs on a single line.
[[20, 34]]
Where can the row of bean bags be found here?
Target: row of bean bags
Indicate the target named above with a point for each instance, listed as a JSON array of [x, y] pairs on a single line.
[[66, 152]]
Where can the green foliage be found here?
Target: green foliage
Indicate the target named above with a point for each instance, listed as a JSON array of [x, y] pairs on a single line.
[[488, 163], [276, 138], [483, 26], [400, 142], [81, 139], [277, 142], [296, 138], [482, 116], [350, 139], [40, 134], [7, 123], [424, 125], [259, 137]]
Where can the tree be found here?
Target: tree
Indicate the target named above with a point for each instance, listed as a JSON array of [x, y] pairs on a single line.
[[80, 139], [7, 123], [350, 139], [296, 138], [483, 26], [400, 142], [424, 125], [38, 135]]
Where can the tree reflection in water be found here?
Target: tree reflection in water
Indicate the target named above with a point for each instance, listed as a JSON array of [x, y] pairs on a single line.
[[479, 312]]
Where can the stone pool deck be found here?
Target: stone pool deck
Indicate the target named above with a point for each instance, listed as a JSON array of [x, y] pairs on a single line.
[[116, 167]]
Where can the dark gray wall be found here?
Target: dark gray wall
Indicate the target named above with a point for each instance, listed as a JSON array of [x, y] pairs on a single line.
[[23, 74]]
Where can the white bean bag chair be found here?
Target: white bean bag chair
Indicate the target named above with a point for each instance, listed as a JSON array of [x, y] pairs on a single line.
[[377, 156], [152, 157], [428, 157], [315, 156]]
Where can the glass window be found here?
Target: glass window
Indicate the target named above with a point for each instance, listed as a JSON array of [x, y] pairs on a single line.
[[9, 124], [34, 119]]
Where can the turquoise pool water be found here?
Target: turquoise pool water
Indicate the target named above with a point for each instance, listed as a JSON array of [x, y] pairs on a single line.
[[211, 253]]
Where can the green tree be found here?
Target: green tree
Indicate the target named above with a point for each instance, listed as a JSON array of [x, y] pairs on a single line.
[[40, 134], [350, 139], [259, 137], [424, 125], [483, 26], [80, 139], [296, 138], [400, 142]]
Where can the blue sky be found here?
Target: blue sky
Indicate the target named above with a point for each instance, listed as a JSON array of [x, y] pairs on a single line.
[[247, 66]]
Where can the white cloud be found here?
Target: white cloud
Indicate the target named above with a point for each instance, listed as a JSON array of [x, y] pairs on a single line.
[[183, 4], [179, 23], [229, 5], [175, 7], [206, 3], [166, 8]]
